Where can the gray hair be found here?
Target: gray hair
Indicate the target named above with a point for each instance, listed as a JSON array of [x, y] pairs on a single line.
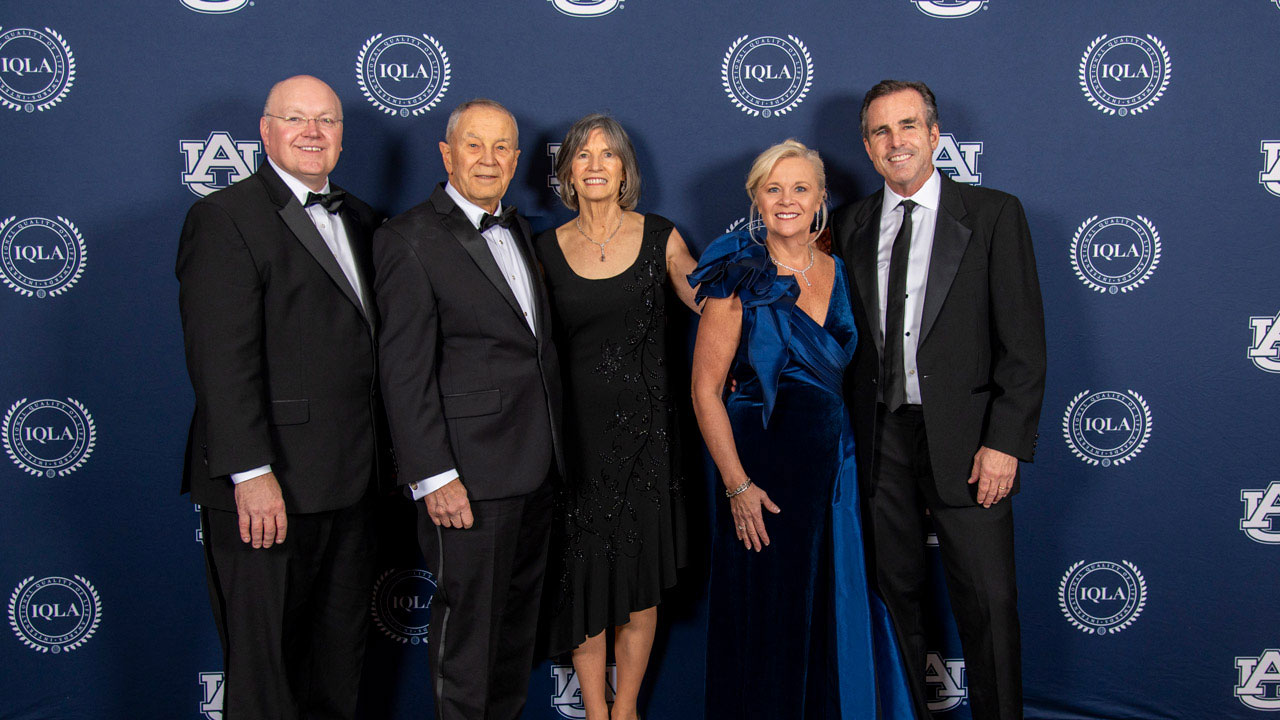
[[889, 87], [459, 111], [617, 140]]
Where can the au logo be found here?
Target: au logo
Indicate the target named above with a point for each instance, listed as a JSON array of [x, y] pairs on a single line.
[[54, 614], [1102, 597], [949, 8], [958, 159], [1264, 350], [40, 257], [37, 69], [402, 74], [553, 152], [216, 7], [587, 8], [567, 699], [217, 162], [1115, 254], [402, 604], [1260, 507], [767, 75], [1259, 685], [211, 685], [48, 437], [944, 682], [1107, 428], [1269, 178], [1125, 74]]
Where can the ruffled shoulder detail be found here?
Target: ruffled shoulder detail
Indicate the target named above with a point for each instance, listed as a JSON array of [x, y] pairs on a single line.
[[735, 263]]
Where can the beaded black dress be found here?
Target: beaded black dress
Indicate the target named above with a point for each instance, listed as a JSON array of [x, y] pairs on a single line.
[[618, 534]]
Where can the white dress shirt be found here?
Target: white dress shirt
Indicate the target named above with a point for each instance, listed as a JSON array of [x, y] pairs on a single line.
[[924, 219], [334, 233], [502, 244]]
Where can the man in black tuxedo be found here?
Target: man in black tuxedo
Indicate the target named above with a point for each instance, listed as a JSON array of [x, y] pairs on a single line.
[[283, 453], [473, 397], [945, 390]]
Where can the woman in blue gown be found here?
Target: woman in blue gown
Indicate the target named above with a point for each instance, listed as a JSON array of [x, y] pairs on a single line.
[[794, 630]]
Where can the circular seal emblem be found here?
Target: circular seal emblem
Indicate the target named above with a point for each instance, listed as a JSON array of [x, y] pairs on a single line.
[[40, 257], [216, 7], [1102, 597], [37, 69], [54, 614], [402, 74], [402, 604], [949, 8], [1107, 428], [1115, 254], [1124, 74], [767, 76], [48, 437], [587, 8]]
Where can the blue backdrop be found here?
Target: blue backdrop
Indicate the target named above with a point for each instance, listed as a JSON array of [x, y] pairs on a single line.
[[1141, 136]]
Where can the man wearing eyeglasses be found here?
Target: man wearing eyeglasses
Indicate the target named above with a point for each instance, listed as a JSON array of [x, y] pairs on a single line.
[[287, 442]]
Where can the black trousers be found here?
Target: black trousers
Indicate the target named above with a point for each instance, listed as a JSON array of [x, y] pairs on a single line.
[[977, 555], [293, 617], [484, 615]]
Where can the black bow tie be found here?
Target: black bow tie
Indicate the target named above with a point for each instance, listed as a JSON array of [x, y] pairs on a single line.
[[505, 218], [330, 201]]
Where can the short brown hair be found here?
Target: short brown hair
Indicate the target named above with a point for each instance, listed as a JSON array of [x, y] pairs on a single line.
[[617, 140], [889, 87]]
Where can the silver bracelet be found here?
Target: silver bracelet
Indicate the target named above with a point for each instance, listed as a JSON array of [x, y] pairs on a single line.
[[738, 490]]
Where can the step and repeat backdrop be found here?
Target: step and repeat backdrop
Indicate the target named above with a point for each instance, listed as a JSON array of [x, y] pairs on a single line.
[[1142, 136]]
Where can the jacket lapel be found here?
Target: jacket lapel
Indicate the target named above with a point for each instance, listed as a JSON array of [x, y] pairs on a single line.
[[541, 303], [456, 222], [950, 239], [865, 247], [298, 222]]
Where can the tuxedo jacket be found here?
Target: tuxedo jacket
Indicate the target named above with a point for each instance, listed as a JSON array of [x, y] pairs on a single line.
[[282, 357], [981, 350], [468, 385]]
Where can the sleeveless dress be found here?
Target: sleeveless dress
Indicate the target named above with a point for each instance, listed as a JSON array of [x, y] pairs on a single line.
[[794, 630], [618, 532]]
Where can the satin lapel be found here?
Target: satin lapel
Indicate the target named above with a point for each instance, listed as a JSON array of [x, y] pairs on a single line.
[[363, 255], [541, 303], [865, 247], [950, 239], [303, 229], [471, 240]]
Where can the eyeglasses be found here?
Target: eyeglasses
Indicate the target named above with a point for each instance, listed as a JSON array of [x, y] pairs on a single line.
[[293, 121]]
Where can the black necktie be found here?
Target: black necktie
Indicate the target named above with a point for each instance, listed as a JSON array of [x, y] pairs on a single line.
[[505, 218], [895, 385], [330, 201]]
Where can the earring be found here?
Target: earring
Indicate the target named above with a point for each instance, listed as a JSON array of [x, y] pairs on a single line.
[[754, 224]]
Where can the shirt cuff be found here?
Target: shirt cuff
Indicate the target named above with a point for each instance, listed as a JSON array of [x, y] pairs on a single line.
[[240, 477], [423, 488]]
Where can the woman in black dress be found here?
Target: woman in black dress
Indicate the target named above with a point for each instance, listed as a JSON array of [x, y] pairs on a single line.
[[618, 533]]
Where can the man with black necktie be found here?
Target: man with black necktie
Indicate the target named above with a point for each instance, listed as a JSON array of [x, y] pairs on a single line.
[[288, 441], [473, 397], [945, 390]]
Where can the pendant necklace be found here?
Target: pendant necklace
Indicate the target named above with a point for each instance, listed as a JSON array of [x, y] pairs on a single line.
[[583, 233], [798, 271]]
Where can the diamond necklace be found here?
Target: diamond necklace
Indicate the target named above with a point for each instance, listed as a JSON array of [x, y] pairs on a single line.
[[798, 271], [591, 240]]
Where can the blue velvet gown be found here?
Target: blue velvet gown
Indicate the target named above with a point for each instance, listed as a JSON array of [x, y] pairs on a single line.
[[794, 630]]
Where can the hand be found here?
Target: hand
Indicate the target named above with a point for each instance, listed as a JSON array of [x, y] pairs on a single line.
[[448, 505], [748, 521], [260, 506], [993, 471]]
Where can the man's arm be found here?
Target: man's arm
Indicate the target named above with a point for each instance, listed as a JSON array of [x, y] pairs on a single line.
[[408, 344], [220, 299], [1017, 336]]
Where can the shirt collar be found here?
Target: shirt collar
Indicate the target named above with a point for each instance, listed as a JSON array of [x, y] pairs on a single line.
[[473, 212], [298, 188], [929, 195]]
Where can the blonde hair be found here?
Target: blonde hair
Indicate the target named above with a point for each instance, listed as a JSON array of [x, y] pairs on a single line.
[[764, 163]]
